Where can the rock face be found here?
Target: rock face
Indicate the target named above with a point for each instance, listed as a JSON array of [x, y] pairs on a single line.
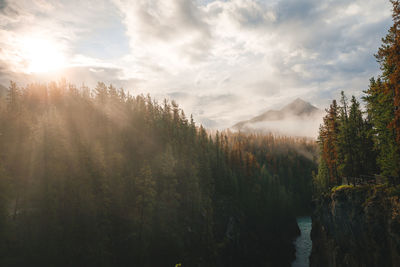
[[356, 227]]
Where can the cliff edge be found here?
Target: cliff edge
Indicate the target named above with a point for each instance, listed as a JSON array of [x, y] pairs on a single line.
[[357, 226]]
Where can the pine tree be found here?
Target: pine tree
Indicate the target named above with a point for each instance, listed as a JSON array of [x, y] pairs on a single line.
[[321, 179], [101, 92], [384, 99], [328, 140], [389, 58], [379, 104], [356, 129], [13, 96], [345, 142]]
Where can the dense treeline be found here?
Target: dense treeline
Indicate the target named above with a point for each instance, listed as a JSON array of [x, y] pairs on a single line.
[[346, 145], [103, 178], [355, 145], [289, 160]]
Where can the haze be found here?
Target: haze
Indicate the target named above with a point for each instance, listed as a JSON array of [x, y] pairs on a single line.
[[222, 61]]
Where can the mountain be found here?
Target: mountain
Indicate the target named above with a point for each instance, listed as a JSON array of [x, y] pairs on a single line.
[[293, 119], [299, 108]]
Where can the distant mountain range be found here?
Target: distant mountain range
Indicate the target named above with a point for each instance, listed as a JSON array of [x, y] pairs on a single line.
[[295, 114]]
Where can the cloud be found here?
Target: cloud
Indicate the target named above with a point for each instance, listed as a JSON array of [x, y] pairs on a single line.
[[224, 61], [299, 126], [166, 33], [209, 110], [89, 34]]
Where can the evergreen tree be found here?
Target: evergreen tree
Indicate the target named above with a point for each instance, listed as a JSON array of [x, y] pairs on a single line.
[[101, 92], [13, 96], [328, 139], [389, 58], [345, 144], [380, 112], [383, 99]]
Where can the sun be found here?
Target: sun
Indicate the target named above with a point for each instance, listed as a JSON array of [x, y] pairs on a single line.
[[42, 56]]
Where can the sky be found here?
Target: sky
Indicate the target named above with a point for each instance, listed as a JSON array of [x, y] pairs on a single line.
[[222, 61]]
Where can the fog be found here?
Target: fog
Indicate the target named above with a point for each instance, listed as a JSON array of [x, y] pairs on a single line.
[[292, 126]]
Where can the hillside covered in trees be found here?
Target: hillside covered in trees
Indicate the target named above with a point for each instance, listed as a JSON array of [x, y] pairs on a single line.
[[103, 178]]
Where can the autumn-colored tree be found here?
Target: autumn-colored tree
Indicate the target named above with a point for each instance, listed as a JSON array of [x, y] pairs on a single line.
[[328, 139], [389, 58], [383, 101]]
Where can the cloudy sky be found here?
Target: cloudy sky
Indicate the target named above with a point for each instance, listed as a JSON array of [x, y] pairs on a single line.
[[223, 61]]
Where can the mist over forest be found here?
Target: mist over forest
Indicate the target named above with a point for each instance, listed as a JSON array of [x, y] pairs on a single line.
[[199, 133], [101, 177]]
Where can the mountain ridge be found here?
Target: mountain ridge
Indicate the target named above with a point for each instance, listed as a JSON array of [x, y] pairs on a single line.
[[298, 108]]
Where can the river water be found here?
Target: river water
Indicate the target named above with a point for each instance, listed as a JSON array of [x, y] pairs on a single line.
[[303, 243]]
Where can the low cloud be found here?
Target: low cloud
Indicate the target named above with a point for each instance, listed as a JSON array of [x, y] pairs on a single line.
[[299, 127]]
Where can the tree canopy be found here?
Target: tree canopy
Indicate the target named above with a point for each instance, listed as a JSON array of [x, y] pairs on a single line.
[[104, 178]]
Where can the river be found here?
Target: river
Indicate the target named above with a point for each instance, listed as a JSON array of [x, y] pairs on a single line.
[[303, 243]]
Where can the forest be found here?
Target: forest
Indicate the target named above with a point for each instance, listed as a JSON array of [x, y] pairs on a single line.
[[360, 144], [99, 177], [104, 176]]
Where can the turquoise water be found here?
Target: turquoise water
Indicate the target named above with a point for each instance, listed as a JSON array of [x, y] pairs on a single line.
[[303, 243]]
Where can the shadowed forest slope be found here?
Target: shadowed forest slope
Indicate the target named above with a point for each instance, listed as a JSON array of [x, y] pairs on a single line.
[[102, 178]]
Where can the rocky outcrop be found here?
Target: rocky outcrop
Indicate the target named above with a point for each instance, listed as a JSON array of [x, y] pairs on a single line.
[[356, 227]]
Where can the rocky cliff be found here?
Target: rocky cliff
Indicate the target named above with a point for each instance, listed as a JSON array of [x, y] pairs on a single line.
[[357, 227]]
